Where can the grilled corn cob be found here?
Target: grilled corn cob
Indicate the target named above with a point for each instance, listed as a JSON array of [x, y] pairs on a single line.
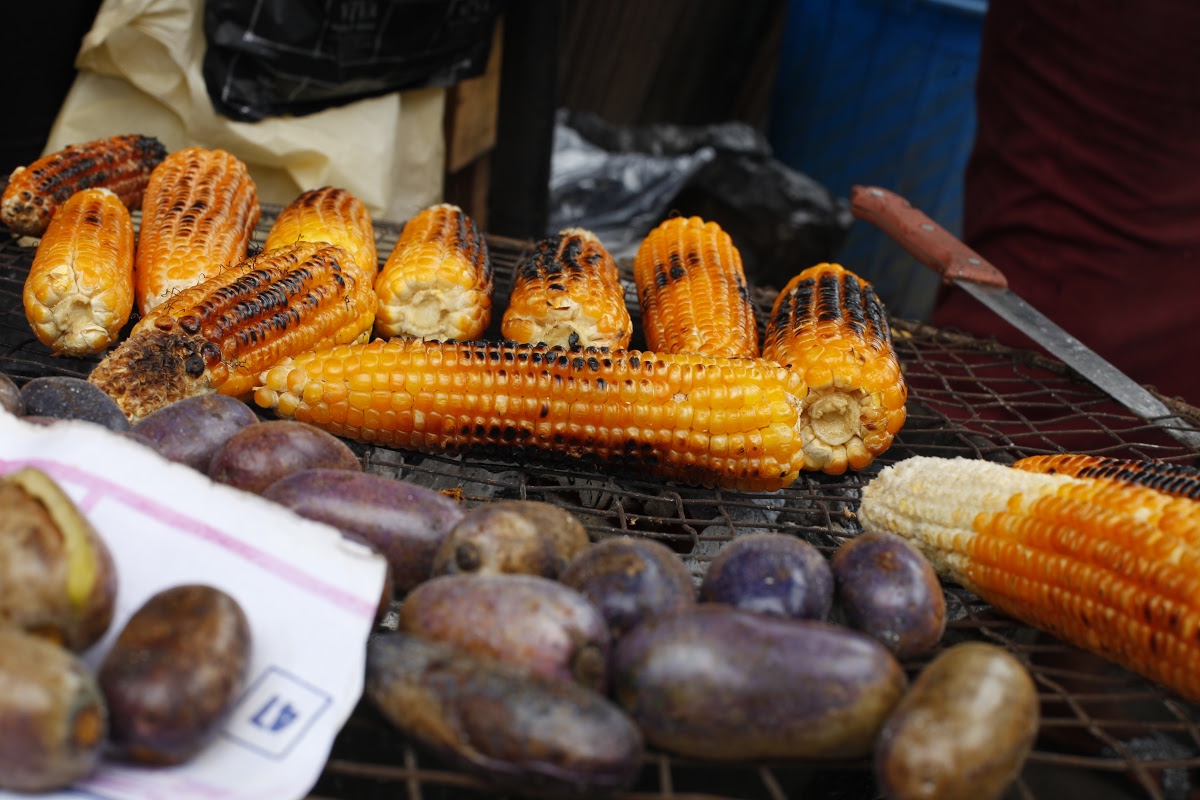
[[330, 215], [693, 292], [1177, 480], [1108, 567], [218, 336], [828, 326], [710, 421], [79, 290], [120, 163], [437, 282], [568, 292], [198, 215]]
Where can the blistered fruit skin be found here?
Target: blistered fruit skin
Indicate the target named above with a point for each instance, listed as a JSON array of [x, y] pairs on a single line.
[[887, 589], [403, 521], [719, 683], [190, 431], [174, 672], [512, 536], [64, 397], [771, 573], [533, 735], [53, 720], [631, 579], [527, 620], [964, 729], [258, 455], [57, 575]]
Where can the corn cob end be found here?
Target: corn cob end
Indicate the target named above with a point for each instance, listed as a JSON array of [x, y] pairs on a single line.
[[154, 368]]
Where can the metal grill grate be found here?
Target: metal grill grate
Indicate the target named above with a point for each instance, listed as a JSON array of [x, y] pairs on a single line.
[[1105, 733]]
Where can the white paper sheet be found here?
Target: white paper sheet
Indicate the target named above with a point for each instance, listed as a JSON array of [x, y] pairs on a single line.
[[310, 597]]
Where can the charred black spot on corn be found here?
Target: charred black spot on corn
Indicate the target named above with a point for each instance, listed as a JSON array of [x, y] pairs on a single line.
[[1177, 480]]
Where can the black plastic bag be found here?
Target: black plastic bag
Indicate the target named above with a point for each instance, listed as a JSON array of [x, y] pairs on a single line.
[[622, 181], [275, 57]]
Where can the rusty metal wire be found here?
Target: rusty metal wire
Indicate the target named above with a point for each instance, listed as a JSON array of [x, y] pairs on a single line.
[[1104, 733]]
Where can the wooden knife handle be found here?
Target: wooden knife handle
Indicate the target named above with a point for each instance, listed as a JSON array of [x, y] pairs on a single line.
[[928, 242]]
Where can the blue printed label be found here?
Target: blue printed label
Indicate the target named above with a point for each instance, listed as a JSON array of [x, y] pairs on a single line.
[[275, 712]]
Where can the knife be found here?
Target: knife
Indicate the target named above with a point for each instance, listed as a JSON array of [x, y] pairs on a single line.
[[944, 253]]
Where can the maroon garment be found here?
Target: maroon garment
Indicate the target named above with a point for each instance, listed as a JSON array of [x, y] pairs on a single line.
[[1084, 184]]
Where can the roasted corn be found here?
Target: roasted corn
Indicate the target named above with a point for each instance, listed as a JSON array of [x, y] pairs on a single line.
[[567, 292], [829, 327]]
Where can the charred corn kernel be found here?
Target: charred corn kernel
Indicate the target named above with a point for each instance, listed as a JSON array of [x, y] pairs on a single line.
[[333, 215], [78, 294], [1105, 566], [693, 292], [120, 163], [829, 327], [218, 336], [1178, 480], [708, 421], [198, 215], [437, 282], [568, 292]]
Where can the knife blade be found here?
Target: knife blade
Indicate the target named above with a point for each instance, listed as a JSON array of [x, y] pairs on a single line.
[[944, 253]]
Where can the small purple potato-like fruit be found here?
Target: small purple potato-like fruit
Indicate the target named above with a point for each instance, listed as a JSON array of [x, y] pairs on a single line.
[[53, 721], [527, 620], [962, 731], [887, 589], [771, 573], [724, 684], [258, 455], [66, 397], [513, 536], [630, 579], [520, 731], [189, 431], [174, 672], [402, 521]]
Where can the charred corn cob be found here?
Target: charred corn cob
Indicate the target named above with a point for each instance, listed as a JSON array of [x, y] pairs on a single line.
[[437, 282], [79, 290], [330, 215], [218, 336], [120, 163], [568, 292], [198, 215], [710, 421], [1178, 480], [693, 292], [1108, 567], [828, 326]]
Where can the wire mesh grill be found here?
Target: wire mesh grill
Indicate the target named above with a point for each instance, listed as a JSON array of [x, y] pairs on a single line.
[[1104, 732]]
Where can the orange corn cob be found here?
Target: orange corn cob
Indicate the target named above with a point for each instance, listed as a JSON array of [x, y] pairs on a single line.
[[693, 292], [710, 421], [828, 326], [198, 215], [79, 291], [437, 281], [568, 292], [1178, 480], [120, 163], [1108, 567], [330, 215], [218, 336]]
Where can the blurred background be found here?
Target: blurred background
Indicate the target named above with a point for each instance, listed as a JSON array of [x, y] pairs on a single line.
[[615, 113]]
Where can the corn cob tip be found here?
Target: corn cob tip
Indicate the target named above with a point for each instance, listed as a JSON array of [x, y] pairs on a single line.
[[152, 369]]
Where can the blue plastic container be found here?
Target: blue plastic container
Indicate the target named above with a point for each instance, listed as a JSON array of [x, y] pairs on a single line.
[[881, 92]]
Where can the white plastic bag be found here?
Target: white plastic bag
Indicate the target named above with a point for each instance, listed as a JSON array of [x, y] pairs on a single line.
[[140, 72]]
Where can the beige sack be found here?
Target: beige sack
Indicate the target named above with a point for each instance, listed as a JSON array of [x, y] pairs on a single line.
[[140, 72]]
